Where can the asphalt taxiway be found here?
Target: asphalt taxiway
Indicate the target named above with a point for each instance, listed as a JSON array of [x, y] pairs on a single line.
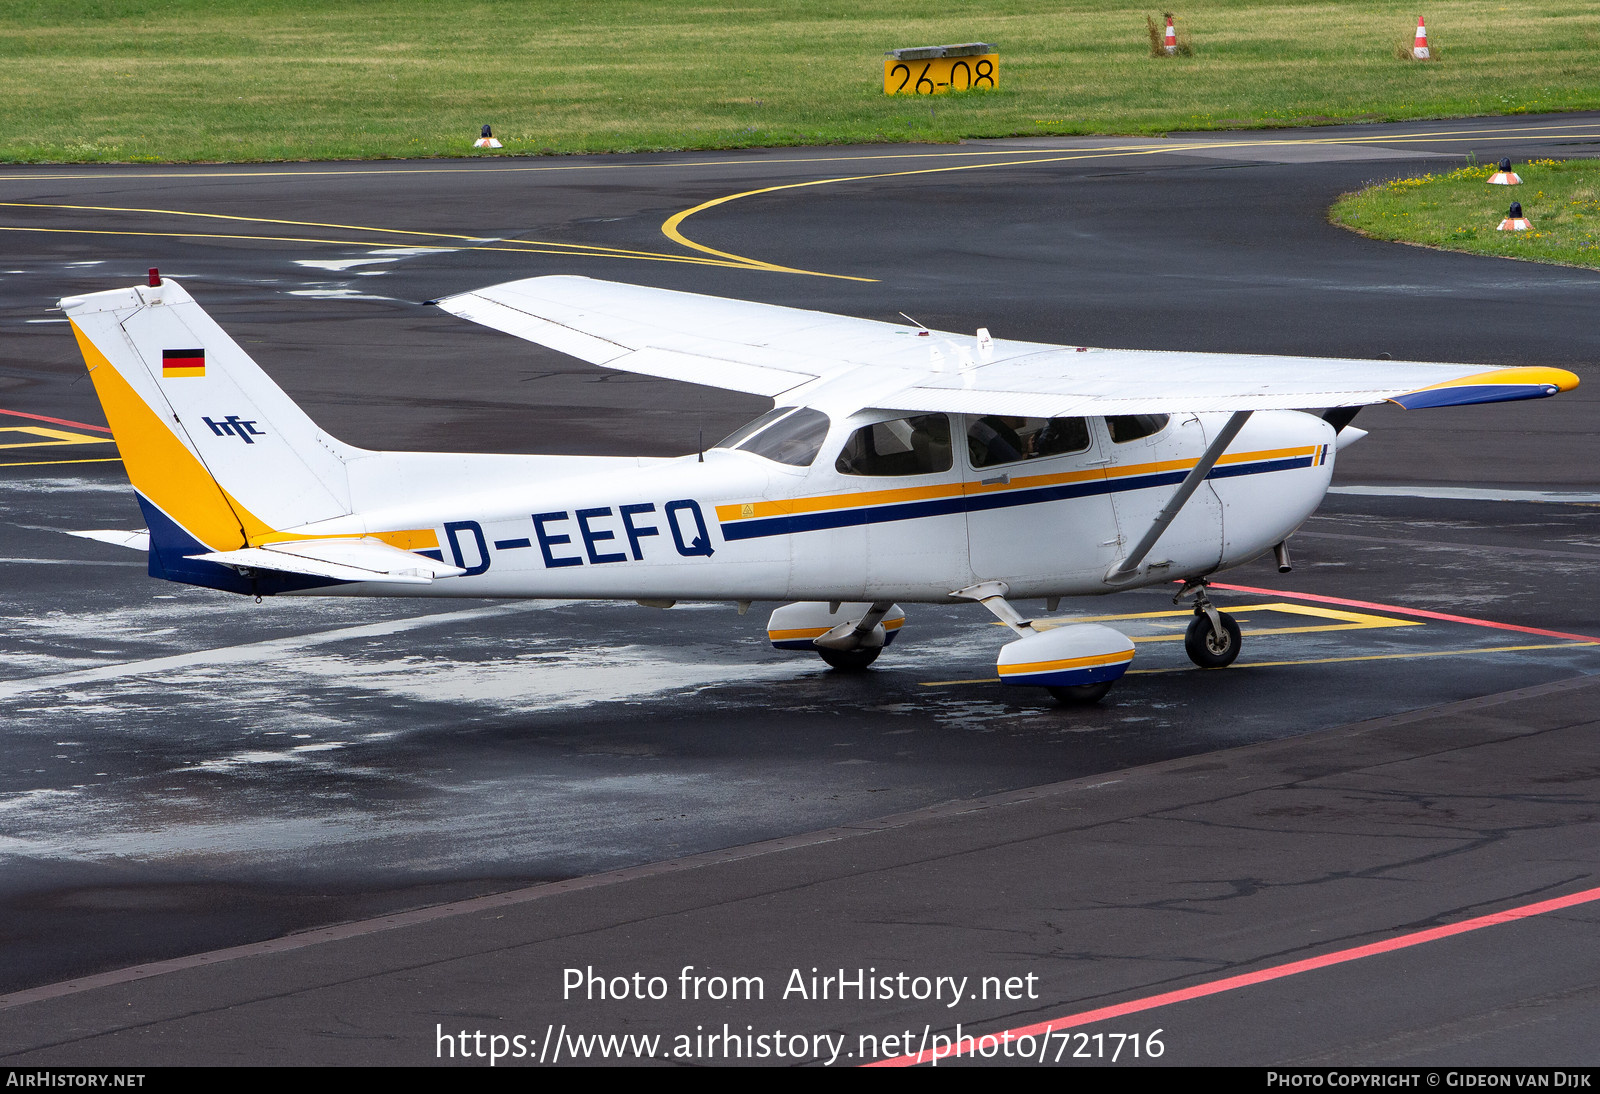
[[515, 790]]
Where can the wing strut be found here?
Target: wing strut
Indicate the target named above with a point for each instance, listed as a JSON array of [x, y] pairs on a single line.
[[1128, 564]]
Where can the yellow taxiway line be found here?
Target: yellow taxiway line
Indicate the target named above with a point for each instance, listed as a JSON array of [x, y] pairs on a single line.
[[974, 159], [672, 226], [1309, 661]]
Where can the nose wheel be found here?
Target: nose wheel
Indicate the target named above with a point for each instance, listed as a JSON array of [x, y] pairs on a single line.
[[1213, 639]]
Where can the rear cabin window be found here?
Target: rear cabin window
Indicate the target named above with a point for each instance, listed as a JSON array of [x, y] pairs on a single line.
[[996, 439], [1132, 427], [918, 445], [786, 435]]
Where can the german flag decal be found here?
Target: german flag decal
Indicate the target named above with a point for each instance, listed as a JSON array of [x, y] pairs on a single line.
[[182, 362]]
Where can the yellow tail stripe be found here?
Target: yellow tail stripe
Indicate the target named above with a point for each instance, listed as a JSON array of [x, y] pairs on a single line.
[[159, 466], [176, 482]]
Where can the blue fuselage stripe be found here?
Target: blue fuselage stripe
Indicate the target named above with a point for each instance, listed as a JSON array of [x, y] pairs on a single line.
[[977, 503]]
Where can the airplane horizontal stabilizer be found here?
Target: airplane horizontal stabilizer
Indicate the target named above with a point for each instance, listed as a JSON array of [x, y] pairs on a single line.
[[138, 541], [339, 560]]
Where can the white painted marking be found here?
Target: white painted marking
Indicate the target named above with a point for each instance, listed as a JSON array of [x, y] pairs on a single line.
[[71, 562], [337, 294], [1471, 493], [252, 651], [387, 254]]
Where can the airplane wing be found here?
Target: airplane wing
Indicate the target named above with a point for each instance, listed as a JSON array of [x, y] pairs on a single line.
[[797, 356], [734, 344]]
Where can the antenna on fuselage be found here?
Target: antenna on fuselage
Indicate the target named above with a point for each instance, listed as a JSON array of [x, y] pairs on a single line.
[[923, 333], [702, 445]]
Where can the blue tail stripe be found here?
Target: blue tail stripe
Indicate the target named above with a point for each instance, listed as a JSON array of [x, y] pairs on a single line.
[[171, 546]]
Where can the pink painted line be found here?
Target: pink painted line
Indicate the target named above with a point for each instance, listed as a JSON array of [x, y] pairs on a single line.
[[55, 421], [1244, 980], [1415, 612]]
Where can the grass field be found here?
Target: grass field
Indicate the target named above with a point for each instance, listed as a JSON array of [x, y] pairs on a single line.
[[185, 80], [1459, 211]]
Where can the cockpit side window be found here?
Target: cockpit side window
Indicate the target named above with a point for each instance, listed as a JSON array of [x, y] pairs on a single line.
[[1132, 427], [785, 435], [995, 439], [918, 445]]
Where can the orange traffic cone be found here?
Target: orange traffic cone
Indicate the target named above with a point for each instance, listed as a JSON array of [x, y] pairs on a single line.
[[1515, 221], [1505, 176], [486, 140], [1419, 48], [1172, 38]]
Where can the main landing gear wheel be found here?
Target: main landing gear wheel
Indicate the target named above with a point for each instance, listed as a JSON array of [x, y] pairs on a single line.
[[1207, 647], [1081, 695], [849, 660]]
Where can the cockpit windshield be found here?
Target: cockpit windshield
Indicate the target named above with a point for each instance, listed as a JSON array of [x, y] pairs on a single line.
[[787, 435]]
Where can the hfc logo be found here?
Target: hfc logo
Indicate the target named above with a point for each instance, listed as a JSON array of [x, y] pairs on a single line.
[[234, 426]]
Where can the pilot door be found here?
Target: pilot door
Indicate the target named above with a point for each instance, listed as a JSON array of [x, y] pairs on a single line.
[[898, 523]]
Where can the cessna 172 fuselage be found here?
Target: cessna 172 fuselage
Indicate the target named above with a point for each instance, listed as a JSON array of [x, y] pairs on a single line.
[[899, 465]]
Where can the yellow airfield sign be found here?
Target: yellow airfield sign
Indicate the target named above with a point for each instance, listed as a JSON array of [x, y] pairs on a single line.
[[933, 70]]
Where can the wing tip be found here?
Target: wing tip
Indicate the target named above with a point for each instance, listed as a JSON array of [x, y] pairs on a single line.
[[1499, 385]]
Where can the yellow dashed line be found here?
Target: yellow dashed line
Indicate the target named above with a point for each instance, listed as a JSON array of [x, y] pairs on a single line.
[[52, 463], [476, 240], [52, 437], [1346, 621], [643, 256]]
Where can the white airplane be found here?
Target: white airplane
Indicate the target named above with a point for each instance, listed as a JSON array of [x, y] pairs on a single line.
[[898, 465]]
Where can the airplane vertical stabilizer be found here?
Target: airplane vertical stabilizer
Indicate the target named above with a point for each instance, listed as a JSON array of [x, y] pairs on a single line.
[[221, 458]]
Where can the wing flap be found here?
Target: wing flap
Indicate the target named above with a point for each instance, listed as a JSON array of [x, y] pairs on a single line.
[[490, 312], [711, 371]]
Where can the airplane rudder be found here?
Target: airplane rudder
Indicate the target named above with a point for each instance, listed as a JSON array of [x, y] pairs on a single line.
[[194, 406]]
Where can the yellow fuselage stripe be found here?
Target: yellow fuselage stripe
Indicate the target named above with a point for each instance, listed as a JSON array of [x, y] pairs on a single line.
[[1092, 661], [818, 632], [729, 514]]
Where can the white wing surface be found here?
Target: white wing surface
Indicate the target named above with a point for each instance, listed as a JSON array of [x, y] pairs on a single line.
[[795, 356]]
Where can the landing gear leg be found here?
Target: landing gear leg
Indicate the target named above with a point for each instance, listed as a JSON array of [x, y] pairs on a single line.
[[1213, 639], [1076, 663], [851, 647]]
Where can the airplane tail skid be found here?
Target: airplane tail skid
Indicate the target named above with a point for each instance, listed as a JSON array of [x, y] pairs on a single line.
[[225, 465]]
